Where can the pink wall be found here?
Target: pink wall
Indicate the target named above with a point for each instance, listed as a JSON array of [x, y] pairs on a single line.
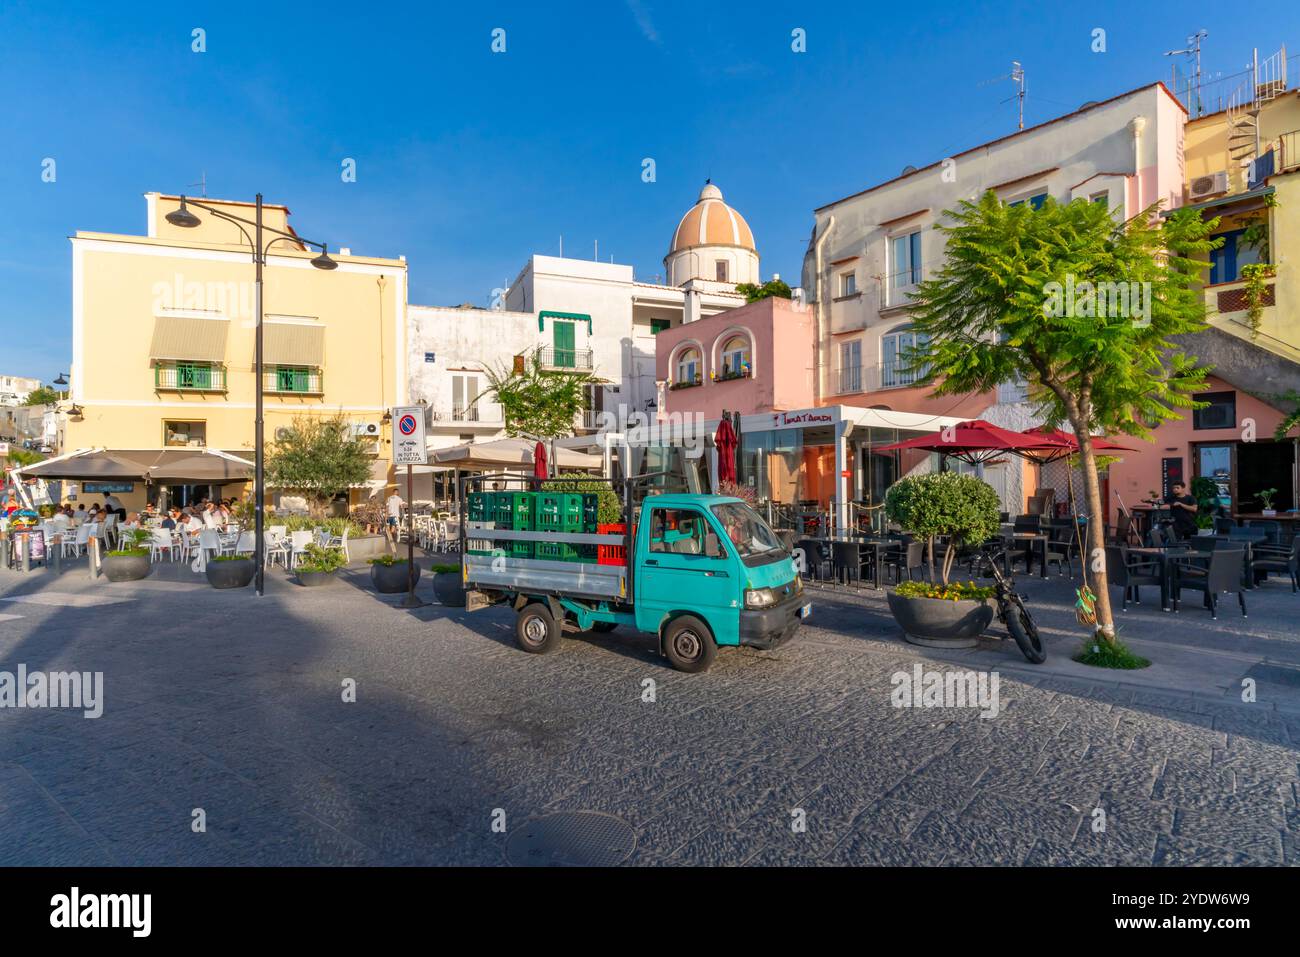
[[781, 355], [1139, 471]]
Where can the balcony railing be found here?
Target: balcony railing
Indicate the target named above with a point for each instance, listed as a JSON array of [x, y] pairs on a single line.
[[1011, 393], [577, 360], [1289, 144], [897, 374], [190, 378], [848, 380], [461, 413], [293, 382]]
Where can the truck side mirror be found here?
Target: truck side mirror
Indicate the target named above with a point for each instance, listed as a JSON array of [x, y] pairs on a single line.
[[712, 549]]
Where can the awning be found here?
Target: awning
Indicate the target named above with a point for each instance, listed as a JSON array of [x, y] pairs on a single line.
[[293, 344], [166, 466], [511, 453], [189, 339]]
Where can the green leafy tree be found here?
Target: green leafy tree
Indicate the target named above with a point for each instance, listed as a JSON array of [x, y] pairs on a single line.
[[318, 457], [42, 396], [754, 292], [537, 401], [609, 507], [995, 313], [960, 507]]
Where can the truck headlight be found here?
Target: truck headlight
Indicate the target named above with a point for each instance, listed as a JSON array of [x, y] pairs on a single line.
[[797, 585], [759, 598]]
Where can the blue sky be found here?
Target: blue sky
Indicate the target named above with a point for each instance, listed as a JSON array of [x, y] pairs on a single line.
[[468, 161]]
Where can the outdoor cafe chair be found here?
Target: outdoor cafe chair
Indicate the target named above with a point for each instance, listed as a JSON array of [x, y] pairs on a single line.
[[160, 540], [451, 536], [815, 559], [338, 541], [847, 561], [277, 545], [1270, 528], [1222, 526], [1277, 558], [1220, 575], [1132, 573], [77, 546], [1061, 549], [245, 544], [209, 544], [905, 556], [298, 542]]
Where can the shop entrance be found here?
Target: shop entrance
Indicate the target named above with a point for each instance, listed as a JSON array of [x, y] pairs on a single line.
[[1265, 465]]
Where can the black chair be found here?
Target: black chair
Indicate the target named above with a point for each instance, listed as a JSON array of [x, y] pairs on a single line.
[[1275, 558], [1157, 537], [1060, 549], [1270, 529], [1123, 529], [903, 557], [846, 561], [815, 558], [1131, 572], [1028, 523], [1219, 575], [1222, 526]]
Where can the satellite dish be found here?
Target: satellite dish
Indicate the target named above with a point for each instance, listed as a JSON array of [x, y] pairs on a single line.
[[908, 170], [1089, 105]]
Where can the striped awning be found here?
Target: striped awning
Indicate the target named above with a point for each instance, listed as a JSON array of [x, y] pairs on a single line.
[[189, 339], [294, 344]]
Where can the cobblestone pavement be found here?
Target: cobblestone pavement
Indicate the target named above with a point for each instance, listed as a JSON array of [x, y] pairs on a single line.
[[223, 702]]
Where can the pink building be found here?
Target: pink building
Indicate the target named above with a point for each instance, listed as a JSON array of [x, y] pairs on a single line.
[[757, 358]]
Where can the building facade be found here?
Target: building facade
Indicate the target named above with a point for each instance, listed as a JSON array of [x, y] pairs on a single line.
[[163, 332]]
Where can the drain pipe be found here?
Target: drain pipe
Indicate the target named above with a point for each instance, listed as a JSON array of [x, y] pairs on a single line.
[[820, 325]]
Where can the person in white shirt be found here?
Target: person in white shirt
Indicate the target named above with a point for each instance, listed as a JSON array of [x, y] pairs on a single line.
[[113, 504], [394, 505]]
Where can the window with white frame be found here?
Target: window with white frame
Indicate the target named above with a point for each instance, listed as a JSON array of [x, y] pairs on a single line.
[[905, 260], [896, 362], [850, 375], [688, 366], [735, 357], [848, 283], [464, 398]]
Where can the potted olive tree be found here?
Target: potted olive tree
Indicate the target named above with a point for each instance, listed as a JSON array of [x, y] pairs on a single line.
[[389, 574], [229, 571], [130, 560], [318, 565], [449, 585], [963, 509]]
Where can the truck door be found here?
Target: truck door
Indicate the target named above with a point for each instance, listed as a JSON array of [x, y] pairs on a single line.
[[675, 574]]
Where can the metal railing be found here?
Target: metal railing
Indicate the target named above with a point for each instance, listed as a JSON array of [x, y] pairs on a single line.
[[1010, 393], [897, 374], [848, 380], [577, 359], [190, 378], [460, 413], [1289, 148], [293, 382]]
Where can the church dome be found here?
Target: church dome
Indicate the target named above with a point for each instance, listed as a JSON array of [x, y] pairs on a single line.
[[711, 222]]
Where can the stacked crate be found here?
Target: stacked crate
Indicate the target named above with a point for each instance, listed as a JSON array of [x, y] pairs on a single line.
[[514, 510], [558, 512], [481, 506]]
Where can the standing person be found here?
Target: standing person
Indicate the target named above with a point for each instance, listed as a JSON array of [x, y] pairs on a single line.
[[113, 504], [1182, 508], [393, 504]]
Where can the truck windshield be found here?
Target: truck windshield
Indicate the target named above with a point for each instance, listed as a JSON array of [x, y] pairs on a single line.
[[747, 531]]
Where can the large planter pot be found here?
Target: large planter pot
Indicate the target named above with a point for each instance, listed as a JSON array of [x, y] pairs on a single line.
[[391, 579], [126, 568], [936, 623], [314, 579], [235, 573], [450, 589]]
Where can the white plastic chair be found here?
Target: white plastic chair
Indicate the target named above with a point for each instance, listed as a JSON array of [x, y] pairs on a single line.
[[298, 542], [77, 545], [160, 540], [451, 536], [245, 544], [209, 544], [339, 541]]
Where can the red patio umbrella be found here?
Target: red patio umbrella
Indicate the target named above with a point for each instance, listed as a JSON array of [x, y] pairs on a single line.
[[1067, 444], [725, 441], [539, 461], [977, 441]]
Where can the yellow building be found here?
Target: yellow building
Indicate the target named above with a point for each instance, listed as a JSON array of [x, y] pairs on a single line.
[[163, 338]]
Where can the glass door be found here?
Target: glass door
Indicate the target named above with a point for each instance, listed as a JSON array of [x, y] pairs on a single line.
[[1215, 462]]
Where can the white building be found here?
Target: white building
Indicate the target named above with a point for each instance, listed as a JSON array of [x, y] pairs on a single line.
[[14, 389], [578, 314]]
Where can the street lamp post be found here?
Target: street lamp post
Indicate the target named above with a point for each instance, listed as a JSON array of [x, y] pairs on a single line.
[[184, 218]]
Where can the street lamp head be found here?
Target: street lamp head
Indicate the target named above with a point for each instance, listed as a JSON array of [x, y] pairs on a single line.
[[323, 261], [62, 379], [182, 217]]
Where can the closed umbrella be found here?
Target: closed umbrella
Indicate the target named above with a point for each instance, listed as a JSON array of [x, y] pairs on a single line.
[[725, 442], [539, 461]]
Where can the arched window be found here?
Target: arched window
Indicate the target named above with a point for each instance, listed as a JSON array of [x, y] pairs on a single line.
[[689, 367], [896, 350], [734, 360]]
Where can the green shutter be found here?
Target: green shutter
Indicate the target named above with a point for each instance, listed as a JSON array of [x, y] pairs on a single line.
[[563, 340]]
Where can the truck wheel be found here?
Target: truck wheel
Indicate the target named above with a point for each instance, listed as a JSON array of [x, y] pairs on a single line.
[[688, 644], [604, 626], [536, 629]]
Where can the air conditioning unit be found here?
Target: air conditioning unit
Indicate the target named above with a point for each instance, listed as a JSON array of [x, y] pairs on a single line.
[[1202, 187], [365, 430], [282, 433]]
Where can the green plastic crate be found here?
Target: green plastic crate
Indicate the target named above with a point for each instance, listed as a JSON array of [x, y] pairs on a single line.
[[478, 506], [557, 552], [519, 549]]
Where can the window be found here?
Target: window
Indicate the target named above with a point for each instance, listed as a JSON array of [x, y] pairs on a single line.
[[185, 375], [677, 531], [905, 260], [746, 530], [1035, 201], [720, 269], [735, 357], [896, 350], [848, 284], [464, 398], [688, 367], [293, 379], [1227, 260], [193, 434], [1221, 413], [430, 357], [659, 325], [562, 341], [1103, 198], [851, 366]]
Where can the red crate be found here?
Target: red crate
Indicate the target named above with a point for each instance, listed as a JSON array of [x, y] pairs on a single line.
[[611, 554]]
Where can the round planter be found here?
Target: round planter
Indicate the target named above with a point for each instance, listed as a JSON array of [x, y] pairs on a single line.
[[936, 623], [450, 589], [126, 568], [391, 579], [1204, 532], [232, 574], [314, 579]]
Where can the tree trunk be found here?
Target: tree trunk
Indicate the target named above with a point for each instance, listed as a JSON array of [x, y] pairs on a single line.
[[1095, 560], [929, 556]]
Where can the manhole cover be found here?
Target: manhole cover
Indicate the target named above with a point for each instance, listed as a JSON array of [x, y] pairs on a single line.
[[571, 839]]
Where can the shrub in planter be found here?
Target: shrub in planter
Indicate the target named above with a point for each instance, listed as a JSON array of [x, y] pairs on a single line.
[[130, 561], [965, 510], [229, 571], [389, 574], [448, 585], [319, 565]]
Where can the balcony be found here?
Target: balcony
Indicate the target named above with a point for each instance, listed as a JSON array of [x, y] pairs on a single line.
[[469, 413], [895, 374], [1289, 151], [478, 415], [1228, 309], [848, 314], [189, 377], [848, 380], [565, 360], [1013, 393], [898, 288], [293, 381]]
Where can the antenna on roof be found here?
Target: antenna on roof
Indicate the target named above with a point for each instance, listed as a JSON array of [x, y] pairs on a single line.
[[1193, 49], [202, 184], [1018, 75]]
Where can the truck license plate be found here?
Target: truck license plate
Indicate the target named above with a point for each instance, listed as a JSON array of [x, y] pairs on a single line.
[[806, 610]]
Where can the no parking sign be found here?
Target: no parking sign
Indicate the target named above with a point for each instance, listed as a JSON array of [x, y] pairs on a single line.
[[408, 436]]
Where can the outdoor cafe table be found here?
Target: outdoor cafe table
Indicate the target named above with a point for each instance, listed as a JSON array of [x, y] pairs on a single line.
[[1165, 556], [878, 548], [1034, 540]]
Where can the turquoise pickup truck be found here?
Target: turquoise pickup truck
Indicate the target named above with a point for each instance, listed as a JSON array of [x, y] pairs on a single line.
[[697, 571]]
